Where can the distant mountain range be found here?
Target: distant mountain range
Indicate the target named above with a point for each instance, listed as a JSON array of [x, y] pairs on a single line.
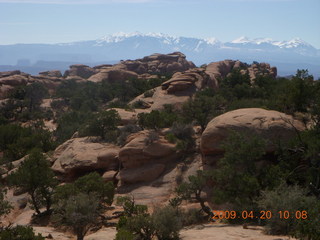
[[287, 56]]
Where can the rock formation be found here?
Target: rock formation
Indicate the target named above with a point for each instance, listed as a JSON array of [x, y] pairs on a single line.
[[78, 156], [143, 158], [272, 126]]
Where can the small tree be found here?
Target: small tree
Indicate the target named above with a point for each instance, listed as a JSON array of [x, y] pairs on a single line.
[[36, 178], [137, 223], [237, 178], [19, 232], [5, 206], [301, 219], [79, 204], [103, 124], [194, 188]]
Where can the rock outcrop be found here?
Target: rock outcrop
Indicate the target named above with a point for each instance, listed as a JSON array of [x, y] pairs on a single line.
[[52, 73], [144, 156], [113, 74], [221, 69], [80, 155], [80, 70], [272, 126], [159, 63]]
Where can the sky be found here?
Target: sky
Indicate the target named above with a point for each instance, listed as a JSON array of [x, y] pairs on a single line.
[[59, 21]]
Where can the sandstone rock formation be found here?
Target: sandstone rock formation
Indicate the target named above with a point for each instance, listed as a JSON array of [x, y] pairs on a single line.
[[113, 74], [81, 155], [143, 158], [159, 63], [52, 73], [129, 117], [272, 126], [217, 70], [80, 70]]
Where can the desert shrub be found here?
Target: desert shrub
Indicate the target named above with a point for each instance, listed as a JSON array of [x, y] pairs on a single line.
[[138, 104], [167, 223], [5, 206], [125, 132], [35, 176], [17, 141], [182, 135], [79, 204], [203, 108], [192, 216], [149, 93], [19, 232], [237, 180], [193, 188], [157, 119], [103, 124], [292, 199], [137, 223], [151, 137]]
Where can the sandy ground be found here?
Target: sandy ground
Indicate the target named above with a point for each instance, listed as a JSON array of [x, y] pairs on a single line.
[[200, 232]]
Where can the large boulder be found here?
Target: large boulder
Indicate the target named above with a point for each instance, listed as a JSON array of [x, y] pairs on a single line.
[[141, 149], [112, 75], [159, 63], [272, 126], [146, 173], [129, 116], [80, 155], [14, 80], [80, 70], [221, 69], [52, 73], [144, 156]]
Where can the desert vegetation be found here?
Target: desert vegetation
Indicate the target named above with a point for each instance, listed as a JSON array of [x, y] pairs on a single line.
[[244, 176]]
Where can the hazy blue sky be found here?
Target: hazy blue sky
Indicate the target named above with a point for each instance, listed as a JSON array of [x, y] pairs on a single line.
[[51, 21]]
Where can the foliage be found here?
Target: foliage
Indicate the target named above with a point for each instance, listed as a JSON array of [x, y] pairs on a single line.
[[103, 124], [237, 180], [157, 119], [5, 206], [167, 223], [79, 204], [192, 216], [19, 232], [17, 141], [25, 102], [292, 199], [125, 131], [137, 223], [71, 122], [182, 135], [194, 188], [202, 108], [35, 176]]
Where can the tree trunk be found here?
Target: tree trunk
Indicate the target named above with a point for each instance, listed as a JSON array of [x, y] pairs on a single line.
[[80, 235], [205, 208], [34, 203]]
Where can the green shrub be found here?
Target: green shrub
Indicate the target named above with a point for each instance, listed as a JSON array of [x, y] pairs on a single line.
[[19, 233], [35, 176], [167, 223], [5, 206], [192, 216], [292, 199], [103, 124], [79, 204]]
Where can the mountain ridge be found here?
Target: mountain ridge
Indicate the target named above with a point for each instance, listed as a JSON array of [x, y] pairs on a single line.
[[288, 56]]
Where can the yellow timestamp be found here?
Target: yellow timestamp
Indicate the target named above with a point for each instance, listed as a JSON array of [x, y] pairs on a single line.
[[263, 214]]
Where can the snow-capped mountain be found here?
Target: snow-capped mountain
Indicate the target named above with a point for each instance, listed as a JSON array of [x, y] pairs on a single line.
[[288, 56]]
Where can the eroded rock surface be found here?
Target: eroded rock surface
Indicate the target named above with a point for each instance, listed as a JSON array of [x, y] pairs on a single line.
[[272, 126]]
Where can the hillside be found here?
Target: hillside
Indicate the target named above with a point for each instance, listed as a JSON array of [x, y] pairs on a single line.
[[161, 148]]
